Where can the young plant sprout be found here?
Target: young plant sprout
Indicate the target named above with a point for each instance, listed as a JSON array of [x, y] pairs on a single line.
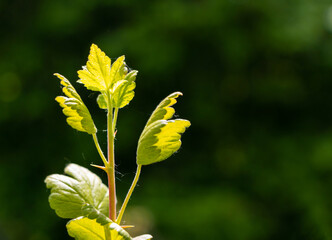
[[80, 195]]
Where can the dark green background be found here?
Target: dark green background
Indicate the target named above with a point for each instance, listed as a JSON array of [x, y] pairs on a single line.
[[257, 81]]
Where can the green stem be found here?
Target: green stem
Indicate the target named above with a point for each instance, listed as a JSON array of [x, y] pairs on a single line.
[[99, 150], [132, 187], [111, 164], [115, 118]]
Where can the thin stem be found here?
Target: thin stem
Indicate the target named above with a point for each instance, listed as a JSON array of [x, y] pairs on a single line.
[[115, 118], [132, 187], [99, 150], [110, 168]]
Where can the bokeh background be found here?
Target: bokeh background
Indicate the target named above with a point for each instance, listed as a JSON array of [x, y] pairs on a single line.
[[257, 82]]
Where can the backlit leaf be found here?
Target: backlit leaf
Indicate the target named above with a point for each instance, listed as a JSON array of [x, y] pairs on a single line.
[[118, 70], [101, 100], [161, 136], [92, 213], [96, 75], [70, 194], [86, 229], [164, 110], [123, 90], [78, 115]]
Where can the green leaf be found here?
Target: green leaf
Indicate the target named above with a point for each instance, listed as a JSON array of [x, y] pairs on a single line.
[[123, 90], [96, 75], [118, 70], [164, 110], [69, 194], [86, 229], [78, 115], [161, 136], [92, 213], [102, 103]]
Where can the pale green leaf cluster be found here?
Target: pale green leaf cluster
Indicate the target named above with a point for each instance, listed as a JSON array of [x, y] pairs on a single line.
[[161, 136], [110, 79], [115, 84], [78, 116], [81, 188]]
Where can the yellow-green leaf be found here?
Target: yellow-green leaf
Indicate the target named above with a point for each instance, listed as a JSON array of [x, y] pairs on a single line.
[[118, 70], [78, 115], [164, 110], [80, 193], [86, 229], [96, 75], [161, 136], [123, 90], [102, 102]]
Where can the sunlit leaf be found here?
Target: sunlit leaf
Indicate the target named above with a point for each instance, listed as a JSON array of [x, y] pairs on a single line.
[[102, 103], [69, 194], [161, 136], [118, 70], [78, 115], [92, 213], [123, 90], [164, 110], [96, 75], [86, 229]]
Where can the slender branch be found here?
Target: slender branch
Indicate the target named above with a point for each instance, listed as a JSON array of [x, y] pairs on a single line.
[[132, 187], [110, 168], [99, 150]]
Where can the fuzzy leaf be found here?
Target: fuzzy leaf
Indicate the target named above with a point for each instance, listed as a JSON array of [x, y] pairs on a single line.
[[161, 136], [96, 75], [123, 90], [78, 115], [69, 194]]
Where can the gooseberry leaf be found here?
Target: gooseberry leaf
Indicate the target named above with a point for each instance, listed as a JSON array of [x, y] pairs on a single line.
[[101, 100], [86, 229], [92, 213], [123, 90], [118, 70], [69, 194], [161, 137], [78, 115], [96, 75]]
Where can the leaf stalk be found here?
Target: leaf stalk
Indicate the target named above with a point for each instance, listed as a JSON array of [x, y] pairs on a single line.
[[132, 187]]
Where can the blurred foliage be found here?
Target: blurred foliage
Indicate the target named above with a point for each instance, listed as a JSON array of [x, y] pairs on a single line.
[[256, 78]]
